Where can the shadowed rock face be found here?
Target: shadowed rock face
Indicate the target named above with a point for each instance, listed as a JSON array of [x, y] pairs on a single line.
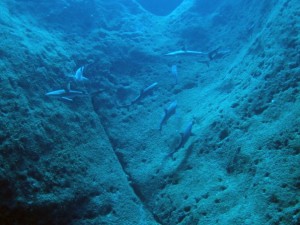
[[160, 7], [65, 15]]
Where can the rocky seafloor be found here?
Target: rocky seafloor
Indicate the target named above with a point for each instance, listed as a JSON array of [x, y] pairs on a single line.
[[100, 160]]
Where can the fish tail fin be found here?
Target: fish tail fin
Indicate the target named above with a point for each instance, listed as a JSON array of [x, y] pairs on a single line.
[[213, 53]]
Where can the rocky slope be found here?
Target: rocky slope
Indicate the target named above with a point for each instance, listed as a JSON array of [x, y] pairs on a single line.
[[99, 161], [57, 164]]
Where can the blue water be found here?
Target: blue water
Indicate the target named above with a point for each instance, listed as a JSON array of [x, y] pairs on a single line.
[[141, 112], [160, 8]]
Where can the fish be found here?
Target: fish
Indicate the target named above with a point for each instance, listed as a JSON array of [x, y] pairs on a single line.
[[174, 73], [78, 76], [217, 54], [214, 54], [144, 92], [66, 94], [186, 52], [171, 110], [184, 137]]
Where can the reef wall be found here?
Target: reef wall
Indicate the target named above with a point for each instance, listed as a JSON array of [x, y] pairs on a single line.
[[57, 164], [101, 160]]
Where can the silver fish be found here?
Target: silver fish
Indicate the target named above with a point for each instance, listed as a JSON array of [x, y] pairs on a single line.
[[171, 110]]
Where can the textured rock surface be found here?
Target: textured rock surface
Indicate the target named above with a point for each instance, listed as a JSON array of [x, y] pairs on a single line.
[[241, 165], [98, 161], [57, 164]]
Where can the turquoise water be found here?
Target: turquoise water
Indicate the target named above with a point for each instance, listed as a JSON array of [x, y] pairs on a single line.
[[132, 112]]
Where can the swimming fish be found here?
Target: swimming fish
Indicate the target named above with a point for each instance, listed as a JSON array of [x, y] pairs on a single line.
[[144, 92], [184, 137], [217, 54], [186, 52], [174, 73], [171, 110], [66, 94], [78, 76]]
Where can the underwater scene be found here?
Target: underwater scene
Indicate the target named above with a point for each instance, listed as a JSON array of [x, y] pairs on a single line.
[[150, 112]]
